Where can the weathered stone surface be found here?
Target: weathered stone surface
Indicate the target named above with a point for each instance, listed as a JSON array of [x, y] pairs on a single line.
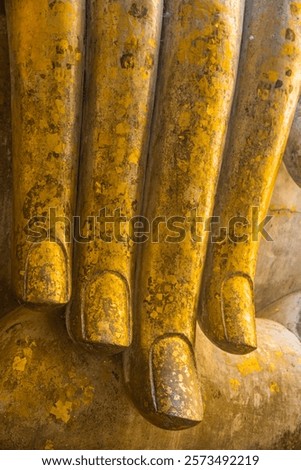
[[279, 261], [7, 301], [292, 156], [286, 311], [53, 395]]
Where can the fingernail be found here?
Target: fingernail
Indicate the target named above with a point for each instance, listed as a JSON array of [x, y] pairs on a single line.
[[239, 314], [175, 385], [46, 274], [106, 312]]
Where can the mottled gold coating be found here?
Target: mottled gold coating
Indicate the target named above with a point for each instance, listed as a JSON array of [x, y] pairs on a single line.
[[292, 154], [266, 97], [55, 395], [199, 56], [46, 60], [123, 46]]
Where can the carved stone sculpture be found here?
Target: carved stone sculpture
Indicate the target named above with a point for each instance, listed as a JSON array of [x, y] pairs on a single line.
[[146, 139]]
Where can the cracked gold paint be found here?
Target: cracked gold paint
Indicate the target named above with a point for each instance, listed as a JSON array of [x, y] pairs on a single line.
[[199, 55], [235, 384], [46, 53], [69, 390], [174, 377], [295, 8], [19, 363], [61, 410], [123, 46], [7, 299], [49, 445], [272, 367], [279, 354], [266, 101]]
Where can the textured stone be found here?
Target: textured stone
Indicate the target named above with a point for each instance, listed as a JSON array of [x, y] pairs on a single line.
[[286, 311], [55, 395], [278, 270]]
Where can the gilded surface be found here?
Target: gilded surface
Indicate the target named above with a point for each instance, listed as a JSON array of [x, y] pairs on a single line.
[[123, 46], [46, 59], [129, 110]]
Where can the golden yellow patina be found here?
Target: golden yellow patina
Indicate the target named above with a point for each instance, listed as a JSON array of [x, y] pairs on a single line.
[[197, 77], [46, 59], [279, 354], [49, 445], [61, 410], [19, 363], [7, 300], [74, 391], [199, 56], [249, 366], [235, 384]]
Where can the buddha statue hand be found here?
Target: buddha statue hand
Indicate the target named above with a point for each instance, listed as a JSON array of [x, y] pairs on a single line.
[[121, 121]]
